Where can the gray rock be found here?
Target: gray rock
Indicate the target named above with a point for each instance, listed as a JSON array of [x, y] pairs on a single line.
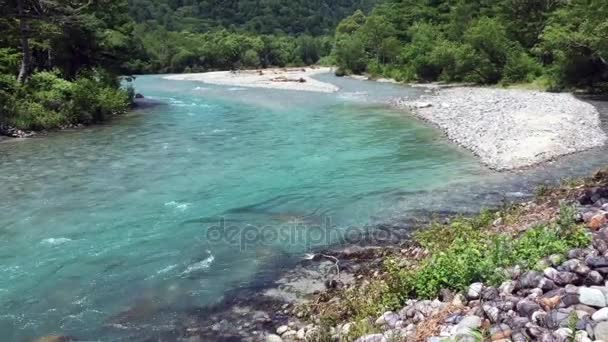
[[372, 338], [539, 318], [389, 319], [563, 335], [505, 305], [530, 280], [547, 285], [570, 299], [601, 331], [584, 310], [519, 337], [571, 289], [527, 307], [558, 318], [593, 278], [550, 273], [534, 331], [474, 291], [576, 253], [491, 312], [518, 323], [453, 318], [600, 245], [467, 325], [600, 315], [282, 329], [564, 278], [490, 294], [592, 297], [597, 262], [576, 266], [507, 287]]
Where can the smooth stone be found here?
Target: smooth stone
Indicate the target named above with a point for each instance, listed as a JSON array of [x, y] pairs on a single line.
[[600, 315], [282, 329], [474, 291], [593, 278], [527, 307], [558, 318], [592, 297], [468, 324], [601, 331], [565, 278], [597, 262], [273, 338], [530, 279]]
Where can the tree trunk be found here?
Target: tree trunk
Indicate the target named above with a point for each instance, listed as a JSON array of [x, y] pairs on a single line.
[[25, 45]]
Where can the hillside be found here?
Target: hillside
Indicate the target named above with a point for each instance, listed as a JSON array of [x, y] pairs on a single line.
[[316, 17]]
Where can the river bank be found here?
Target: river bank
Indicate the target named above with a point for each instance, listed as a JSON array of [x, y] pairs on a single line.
[[277, 78], [509, 128], [551, 285]]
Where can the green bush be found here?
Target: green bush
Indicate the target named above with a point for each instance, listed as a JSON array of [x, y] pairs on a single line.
[[465, 252], [521, 67], [48, 101], [34, 116]]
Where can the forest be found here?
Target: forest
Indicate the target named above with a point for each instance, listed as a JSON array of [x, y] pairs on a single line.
[[61, 61], [552, 44]]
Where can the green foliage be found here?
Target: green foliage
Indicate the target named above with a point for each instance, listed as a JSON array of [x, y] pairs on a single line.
[[550, 43], [48, 101], [466, 252]]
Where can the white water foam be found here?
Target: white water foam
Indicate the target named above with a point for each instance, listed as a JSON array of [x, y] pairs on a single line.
[[55, 241], [166, 269], [200, 265], [178, 206]]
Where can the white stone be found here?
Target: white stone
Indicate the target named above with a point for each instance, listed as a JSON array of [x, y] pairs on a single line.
[[592, 297], [282, 329], [474, 291], [600, 315], [273, 338]]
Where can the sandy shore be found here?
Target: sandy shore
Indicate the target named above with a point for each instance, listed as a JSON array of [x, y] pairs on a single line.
[[510, 129], [285, 78]]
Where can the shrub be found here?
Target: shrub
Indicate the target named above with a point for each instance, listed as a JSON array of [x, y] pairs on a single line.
[[465, 252], [521, 67], [29, 115]]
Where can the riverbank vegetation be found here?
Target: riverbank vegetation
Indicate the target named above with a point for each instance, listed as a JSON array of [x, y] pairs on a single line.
[[59, 62], [492, 248], [556, 44]]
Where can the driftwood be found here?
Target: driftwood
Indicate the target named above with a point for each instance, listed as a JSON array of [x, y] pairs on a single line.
[[285, 79]]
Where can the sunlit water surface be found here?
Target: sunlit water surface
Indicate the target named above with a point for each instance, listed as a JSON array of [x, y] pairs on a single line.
[[97, 220]]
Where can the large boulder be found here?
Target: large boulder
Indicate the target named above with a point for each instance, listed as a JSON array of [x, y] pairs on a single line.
[[592, 297]]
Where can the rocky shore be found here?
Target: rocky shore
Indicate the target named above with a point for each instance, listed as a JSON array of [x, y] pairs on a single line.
[[508, 128], [563, 297]]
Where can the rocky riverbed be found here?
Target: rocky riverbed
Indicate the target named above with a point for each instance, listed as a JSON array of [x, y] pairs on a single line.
[[510, 129]]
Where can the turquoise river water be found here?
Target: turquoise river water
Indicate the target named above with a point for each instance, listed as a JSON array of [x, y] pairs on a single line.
[[96, 220]]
